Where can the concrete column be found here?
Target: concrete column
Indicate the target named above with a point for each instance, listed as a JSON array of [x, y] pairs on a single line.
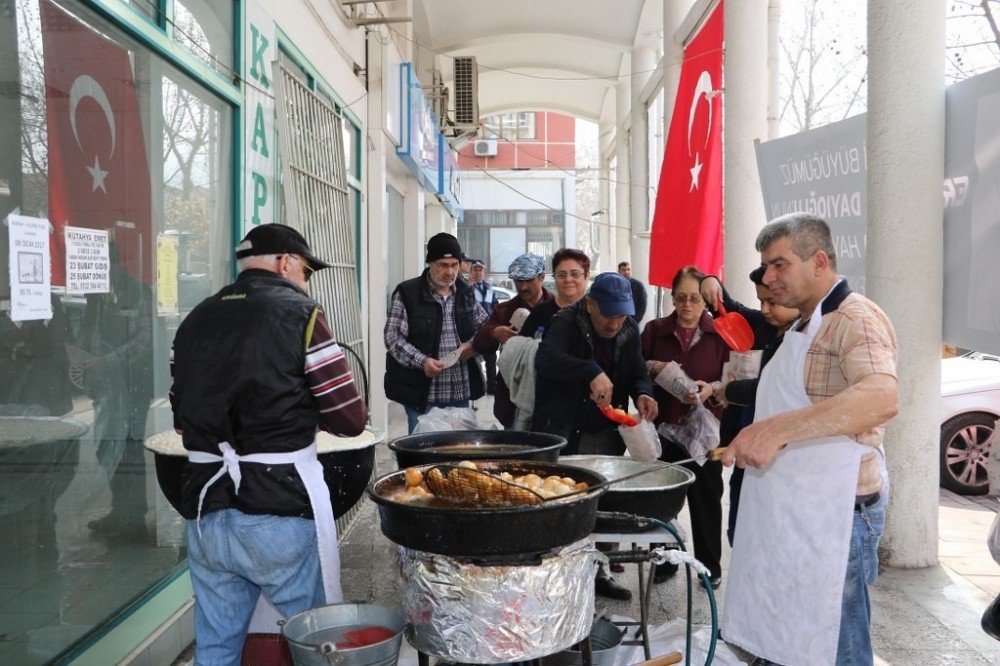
[[643, 62], [599, 228], [773, 68], [621, 247], [437, 219], [375, 229], [906, 121], [745, 111]]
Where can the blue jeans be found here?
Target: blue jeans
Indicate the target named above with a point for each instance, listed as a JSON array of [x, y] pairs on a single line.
[[237, 557], [855, 644], [413, 414]]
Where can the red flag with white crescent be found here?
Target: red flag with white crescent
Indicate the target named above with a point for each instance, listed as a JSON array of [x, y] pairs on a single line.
[[687, 220], [98, 174]]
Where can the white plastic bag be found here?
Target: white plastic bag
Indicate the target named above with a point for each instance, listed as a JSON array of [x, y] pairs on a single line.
[[994, 539], [439, 419], [698, 433], [675, 381], [641, 441]]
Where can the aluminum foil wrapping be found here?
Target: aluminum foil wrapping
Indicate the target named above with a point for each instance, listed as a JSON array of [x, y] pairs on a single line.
[[490, 614]]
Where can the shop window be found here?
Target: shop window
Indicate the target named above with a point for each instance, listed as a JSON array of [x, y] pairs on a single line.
[[205, 28], [124, 163]]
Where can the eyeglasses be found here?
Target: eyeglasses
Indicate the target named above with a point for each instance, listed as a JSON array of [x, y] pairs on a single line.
[[693, 299], [307, 270], [576, 275]]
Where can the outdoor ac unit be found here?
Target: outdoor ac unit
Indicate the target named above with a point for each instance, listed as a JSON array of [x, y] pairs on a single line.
[[466, 89], [484, 147]]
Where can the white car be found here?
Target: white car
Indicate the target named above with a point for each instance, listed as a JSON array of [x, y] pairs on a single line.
[[970, 401], [503, 294]]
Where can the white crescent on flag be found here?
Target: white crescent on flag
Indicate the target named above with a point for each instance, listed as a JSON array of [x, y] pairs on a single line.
[[702, 88], [87, 86]]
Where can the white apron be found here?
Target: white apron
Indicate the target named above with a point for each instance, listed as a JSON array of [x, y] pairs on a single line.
[[266, 616], [793, 535]]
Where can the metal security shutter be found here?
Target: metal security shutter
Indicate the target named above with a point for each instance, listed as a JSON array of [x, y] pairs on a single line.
[[314, 173]]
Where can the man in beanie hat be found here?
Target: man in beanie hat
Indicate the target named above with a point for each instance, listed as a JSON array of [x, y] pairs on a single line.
[[248, 396], [428, 336], [527, 272]]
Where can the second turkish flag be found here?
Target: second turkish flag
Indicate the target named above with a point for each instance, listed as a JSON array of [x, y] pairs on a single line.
[[687, 220]]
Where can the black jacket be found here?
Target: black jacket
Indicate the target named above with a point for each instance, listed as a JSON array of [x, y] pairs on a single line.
[[565, 366], [742, 394], [239, 377], [425, 319]]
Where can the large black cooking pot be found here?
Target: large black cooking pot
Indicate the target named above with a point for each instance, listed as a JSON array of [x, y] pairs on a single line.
[[451, 446], [659, 494], [346, 469], [489, 532]]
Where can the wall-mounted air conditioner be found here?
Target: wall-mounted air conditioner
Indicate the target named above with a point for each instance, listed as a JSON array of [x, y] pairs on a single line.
[[484, 147]]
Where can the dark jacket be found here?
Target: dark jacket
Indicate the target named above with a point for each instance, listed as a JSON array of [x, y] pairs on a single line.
[[425, 319], [239, 377], [742, 394], [484, 343], [565, 365], [638, 298], [702, 361]]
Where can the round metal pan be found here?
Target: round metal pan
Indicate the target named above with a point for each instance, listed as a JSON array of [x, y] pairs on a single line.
[[659, 494], [489, 532], [455, 445]]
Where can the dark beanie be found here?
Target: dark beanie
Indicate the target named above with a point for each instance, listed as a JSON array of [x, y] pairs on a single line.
[[443, 246]]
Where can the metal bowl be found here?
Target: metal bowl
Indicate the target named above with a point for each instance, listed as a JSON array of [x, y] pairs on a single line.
[[659, 494], [454, 445]]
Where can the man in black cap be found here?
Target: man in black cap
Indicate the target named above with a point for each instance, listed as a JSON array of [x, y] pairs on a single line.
[[589, 359], [428, 332], [256, 372]]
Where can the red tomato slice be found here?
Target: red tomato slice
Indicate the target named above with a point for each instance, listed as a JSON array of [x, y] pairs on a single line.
[[619, 416]]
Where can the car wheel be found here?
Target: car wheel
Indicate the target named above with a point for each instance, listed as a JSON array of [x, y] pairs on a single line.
[[965, 450]]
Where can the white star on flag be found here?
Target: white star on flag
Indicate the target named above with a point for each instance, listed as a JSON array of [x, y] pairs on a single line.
[[98, 175], [695, 172]]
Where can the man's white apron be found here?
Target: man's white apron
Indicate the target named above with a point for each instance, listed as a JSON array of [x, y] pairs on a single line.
[[793, 534], [310, 470]]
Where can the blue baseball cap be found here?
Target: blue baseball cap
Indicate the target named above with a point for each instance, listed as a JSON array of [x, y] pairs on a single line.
[[526, 267], [613, 295]]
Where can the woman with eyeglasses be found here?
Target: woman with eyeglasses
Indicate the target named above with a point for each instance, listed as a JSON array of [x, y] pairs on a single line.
[[571, 268], [687, 336]]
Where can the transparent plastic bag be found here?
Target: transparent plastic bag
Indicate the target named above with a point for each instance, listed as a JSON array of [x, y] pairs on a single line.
[[439, 419], [675, 381], [698, 433], [641, 441]]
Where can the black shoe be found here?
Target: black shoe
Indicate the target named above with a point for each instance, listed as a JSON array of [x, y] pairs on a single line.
[[607, 587], [664, 572], [991, 619], [715, 581]]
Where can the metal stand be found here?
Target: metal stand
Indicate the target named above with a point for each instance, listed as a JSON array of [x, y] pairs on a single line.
[[639, 556]]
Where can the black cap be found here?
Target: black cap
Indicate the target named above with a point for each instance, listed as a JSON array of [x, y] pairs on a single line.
[[278, 239], [443, 246]]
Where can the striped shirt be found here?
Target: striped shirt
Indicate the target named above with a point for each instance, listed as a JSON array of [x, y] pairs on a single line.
[[452, 384], [330, 381]]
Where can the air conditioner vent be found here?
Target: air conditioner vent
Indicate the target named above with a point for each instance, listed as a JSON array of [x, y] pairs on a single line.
[[484, 147], [466, 89]]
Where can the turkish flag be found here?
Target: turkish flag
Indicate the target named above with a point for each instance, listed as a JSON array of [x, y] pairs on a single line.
[[687, 221], [98, 173]]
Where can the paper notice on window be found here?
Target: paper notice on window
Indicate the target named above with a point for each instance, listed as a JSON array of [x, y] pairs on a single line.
[[30, 271], [88, 261], [166, 275]]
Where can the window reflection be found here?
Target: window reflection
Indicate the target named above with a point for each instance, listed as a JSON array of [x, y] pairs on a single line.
[[86, 528]]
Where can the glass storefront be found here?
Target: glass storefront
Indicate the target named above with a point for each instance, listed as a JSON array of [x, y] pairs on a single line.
[[128, 162]]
